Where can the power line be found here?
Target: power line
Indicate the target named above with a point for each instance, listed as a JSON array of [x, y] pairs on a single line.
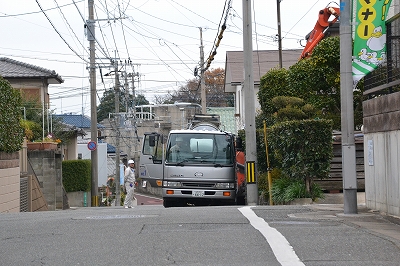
[[59, 8], [88, 28], [123, 31], [31, 13], [37, 1]]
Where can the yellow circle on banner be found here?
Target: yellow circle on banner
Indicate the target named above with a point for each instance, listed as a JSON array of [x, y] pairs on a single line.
[[366, 14], [364, 30]]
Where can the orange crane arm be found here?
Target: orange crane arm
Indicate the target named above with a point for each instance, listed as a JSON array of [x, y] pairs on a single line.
[[322, 25]]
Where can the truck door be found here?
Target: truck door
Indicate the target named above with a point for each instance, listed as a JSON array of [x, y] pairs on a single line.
[[151, 159]]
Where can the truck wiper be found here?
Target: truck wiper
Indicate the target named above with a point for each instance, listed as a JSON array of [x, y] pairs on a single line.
[[181, 162]]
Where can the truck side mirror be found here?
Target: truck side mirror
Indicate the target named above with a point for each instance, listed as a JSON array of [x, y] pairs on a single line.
[[152, 140]]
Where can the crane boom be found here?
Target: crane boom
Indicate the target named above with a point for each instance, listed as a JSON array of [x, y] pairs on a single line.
[[320, 28]]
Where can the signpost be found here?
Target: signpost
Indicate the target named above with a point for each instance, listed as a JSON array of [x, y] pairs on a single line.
[[92, 145]]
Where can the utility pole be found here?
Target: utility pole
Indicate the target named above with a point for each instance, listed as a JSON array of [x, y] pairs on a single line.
[[135, 155], [347, 111], [93, 104], [278, 7], [248, 88], [117, 151], [202, 81]]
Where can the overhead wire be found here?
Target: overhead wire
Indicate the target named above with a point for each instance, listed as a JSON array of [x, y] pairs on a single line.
[[219, 36], [31, 13], [123, 31], [69, 25], [149, 47], [112, 31], [302, 17], [255, 31], [101, 30], [59, 34], [88, 28]]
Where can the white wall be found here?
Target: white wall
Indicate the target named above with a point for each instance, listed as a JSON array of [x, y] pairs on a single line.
[[102, 160], [382, 171]]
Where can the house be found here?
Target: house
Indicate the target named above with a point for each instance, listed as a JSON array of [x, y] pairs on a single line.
[[263, 61], [82, 125], [33, 81]]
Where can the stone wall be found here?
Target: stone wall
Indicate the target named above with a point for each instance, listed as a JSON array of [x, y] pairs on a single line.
[[47, 165], [382, 157], [9, 182]]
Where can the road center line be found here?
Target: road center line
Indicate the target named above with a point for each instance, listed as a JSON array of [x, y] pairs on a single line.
[[282, 249]]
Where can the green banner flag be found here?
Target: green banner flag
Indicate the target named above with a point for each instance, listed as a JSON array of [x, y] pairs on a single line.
[[370, 37]]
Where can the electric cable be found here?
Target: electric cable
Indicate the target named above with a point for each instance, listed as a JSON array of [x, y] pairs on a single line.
[[123, 31], [31, 13], [59, 34], [65, 19], [219, 36], [88, 28]]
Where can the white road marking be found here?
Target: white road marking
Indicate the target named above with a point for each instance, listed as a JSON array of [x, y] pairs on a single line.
[[282, 249]]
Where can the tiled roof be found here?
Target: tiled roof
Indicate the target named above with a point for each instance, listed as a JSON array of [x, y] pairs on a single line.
[[80, 121], [10, 68], [263, 61]]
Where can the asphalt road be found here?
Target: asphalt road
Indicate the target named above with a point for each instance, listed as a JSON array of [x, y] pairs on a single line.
[[147, 200], [228, 235]]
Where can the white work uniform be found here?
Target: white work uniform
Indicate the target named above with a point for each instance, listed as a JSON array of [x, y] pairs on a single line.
[[129, 179]]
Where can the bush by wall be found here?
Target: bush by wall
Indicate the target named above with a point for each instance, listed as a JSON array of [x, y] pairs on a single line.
[[303, 147], [11, 132], [76, 175]]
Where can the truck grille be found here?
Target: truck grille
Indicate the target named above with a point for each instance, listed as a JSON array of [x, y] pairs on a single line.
[[197, 185]]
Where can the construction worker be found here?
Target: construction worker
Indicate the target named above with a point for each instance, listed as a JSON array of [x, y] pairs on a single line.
[[129, 180]]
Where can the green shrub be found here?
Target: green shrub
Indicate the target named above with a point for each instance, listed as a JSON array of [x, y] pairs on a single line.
[[303, 148], [287, 189], [11, 132], [76, 175], [33, 131]]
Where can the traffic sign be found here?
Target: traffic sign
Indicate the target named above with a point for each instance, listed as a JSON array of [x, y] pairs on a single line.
[[92, 145]]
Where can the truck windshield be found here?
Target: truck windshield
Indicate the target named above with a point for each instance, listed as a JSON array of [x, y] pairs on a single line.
[[200, 148]]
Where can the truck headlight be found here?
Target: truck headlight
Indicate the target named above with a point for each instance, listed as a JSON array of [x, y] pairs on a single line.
[[225, 185], [171, 184]]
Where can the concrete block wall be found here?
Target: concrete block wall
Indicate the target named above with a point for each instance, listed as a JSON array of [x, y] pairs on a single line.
[[9, 182], [382, 153], [46, 165]]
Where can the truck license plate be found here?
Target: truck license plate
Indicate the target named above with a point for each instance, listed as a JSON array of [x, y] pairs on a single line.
[[198, 193]]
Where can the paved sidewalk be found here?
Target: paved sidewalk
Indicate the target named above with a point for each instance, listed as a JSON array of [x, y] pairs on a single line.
[[376, 223]]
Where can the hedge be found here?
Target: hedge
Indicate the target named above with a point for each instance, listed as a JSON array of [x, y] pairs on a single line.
[[76, 175], [11, 132], [303, 148]]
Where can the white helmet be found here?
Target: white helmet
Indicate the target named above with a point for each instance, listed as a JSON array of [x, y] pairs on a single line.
[[131, 161]]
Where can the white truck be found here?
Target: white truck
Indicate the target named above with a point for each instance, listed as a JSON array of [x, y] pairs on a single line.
[[196, 166]]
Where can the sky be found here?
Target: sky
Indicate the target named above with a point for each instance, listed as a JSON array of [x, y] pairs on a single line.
[[156, 40]]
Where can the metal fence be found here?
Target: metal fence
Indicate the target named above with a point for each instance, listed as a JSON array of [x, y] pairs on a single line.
[[23, 194], [386, 78]]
